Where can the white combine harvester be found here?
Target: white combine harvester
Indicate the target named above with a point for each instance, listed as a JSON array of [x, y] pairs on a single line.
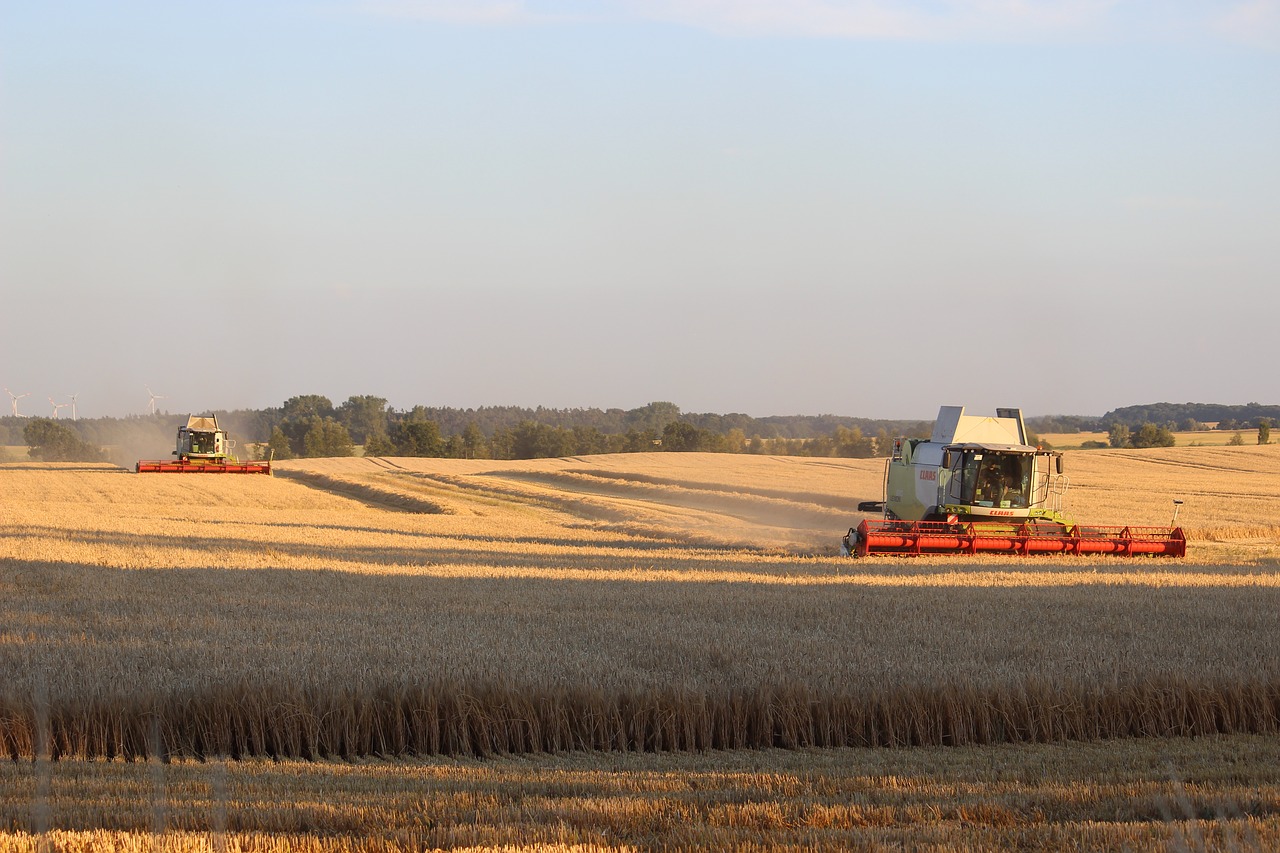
[[977, 486], [203, 448]]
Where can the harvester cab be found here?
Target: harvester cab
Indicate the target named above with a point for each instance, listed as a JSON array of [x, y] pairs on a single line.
[[203, 448], [201, 438], [974, 469], [978, 485]]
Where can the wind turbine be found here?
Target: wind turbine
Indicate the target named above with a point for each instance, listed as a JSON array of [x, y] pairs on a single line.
[[73, 406], [154, 397], [16, 398], [57, 406]]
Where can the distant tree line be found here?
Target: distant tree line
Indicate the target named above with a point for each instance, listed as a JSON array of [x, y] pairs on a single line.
[[311, 425], [1192, 416], [1064, 423]]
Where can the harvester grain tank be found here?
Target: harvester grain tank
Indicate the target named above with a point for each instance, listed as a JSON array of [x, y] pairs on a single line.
[[976, 485], [203, 448]]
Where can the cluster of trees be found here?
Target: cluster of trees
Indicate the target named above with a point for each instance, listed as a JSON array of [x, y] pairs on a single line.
[[1152, 434], [309, 429], [1146, 435], [50, 441], [652, 417], [1064, 423], [312, 426]]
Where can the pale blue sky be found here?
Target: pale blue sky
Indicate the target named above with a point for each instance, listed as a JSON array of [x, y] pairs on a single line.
[[802, 206]]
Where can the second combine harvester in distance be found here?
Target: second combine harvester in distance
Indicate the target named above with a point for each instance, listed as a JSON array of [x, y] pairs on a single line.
[[977, 486]]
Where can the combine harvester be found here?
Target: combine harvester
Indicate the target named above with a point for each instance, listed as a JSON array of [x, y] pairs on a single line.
[[203, 448], [977, 487]]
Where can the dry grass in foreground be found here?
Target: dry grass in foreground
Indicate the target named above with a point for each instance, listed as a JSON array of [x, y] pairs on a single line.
[[1204, 794]]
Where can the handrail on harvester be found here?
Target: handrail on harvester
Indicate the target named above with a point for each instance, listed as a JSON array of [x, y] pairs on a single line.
[[1028, 538]]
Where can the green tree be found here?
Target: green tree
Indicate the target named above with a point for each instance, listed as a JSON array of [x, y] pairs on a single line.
[[326, 437], [852, 444], [679, 436], [1264, 431], [379, 444], [299, 414], [884, 442], [278, 446], [502, 444], [1118, 436], [654, 416], [532, 440], [474, 445], [417, 438], [50, 441], [363, 416], [1150, 435], [588, 439], [1237, 440], [305, 407], [640, 441]]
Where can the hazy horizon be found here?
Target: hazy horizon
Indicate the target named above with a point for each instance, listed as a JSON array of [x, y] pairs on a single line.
[[168, 411], [857, 208]]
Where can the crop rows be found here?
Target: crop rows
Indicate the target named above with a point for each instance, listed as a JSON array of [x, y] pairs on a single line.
[[452, 720]]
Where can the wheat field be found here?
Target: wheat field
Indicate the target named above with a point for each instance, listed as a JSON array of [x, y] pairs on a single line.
[[390, 608]]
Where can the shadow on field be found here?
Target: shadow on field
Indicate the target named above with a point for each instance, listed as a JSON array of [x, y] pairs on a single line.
[[587, 555], [598, 481], [630, 543]]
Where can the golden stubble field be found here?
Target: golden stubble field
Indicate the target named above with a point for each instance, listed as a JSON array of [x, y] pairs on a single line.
[[650, 601]]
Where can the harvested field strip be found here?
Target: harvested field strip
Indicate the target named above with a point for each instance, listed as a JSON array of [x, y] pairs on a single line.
[[498, 488], [790, 496], [630, 517], [491, 556], [278, 722], [1205, 460], [664, 513], [364, 492], [721, 500]]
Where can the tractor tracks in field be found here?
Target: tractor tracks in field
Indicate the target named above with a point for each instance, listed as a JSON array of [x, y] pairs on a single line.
[[671, 498], [1194, 466], [366, 493], [649, 507], [694, 486]]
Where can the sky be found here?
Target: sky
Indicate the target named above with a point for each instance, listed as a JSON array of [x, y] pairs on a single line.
[[850, 207]]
